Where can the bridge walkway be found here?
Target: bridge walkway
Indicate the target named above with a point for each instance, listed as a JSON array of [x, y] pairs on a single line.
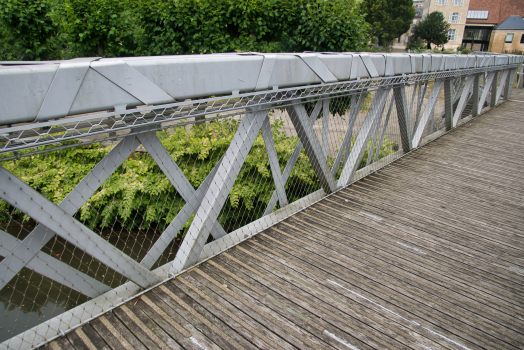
[[426, 253]]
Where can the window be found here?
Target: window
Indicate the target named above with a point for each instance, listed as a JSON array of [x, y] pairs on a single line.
[[509, 37], [441, 2], [414, 21], [457, 2], [452, 34], [454, 17], [522, 39], [478, 14]]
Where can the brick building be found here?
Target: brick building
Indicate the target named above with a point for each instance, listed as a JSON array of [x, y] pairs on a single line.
[[484, 16], [508, 36]]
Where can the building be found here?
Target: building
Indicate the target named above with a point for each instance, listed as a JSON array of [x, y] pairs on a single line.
[[482, 18], [455, 11], [508, 36]]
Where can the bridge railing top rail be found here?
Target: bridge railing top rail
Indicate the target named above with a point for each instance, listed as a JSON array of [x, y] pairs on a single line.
[[49, 90]]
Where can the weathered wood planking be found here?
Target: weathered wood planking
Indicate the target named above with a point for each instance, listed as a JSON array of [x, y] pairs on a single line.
[[426, 253]]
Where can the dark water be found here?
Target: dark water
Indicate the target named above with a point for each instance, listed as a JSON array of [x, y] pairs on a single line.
[[30, 298]]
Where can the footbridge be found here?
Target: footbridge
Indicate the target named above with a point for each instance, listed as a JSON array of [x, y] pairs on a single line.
[[262, 201]]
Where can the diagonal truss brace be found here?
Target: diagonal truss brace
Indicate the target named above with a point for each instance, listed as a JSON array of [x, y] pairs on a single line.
[[485, 89], [345, 146], [219, 189], [299, 118], [430, 106], [293, 159], [56, 270], [175, 175], [463, 99], [376, 109], [30, 202], [273, 162], [31, 245]]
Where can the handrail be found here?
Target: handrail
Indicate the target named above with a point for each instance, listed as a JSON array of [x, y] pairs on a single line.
[[106, 205]]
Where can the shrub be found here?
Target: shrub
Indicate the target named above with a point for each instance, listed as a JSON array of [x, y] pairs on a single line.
[[138, 195], [465, 51]]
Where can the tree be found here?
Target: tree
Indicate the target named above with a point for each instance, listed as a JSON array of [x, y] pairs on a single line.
[[27, 31], [433, 29], [389, 19]]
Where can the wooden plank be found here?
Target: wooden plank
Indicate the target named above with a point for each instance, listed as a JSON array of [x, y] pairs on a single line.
[[469, 332], [421, 285], [476, 317], [61, 343], [179, 333], [191, 318], [149, 339], [259, 337], [282, 304]]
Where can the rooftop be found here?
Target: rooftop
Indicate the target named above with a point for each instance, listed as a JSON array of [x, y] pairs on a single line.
[[511, 23]]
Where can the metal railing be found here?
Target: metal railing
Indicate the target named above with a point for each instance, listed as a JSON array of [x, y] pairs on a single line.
[[100, 207]]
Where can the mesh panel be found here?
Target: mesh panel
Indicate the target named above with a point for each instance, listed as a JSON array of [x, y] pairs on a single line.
[[124, 210]]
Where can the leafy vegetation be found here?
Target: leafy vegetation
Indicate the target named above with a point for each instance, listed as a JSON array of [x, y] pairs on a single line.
[[389, 19], [27, 31], [54, 29], [138, 194], [433, 29]]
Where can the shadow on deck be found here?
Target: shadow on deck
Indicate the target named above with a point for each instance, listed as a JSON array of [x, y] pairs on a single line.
[[426, 253]]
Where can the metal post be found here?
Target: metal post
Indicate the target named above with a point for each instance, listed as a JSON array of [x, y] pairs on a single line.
[[475, 96], [448, 103], [399, 93], [494, 82]]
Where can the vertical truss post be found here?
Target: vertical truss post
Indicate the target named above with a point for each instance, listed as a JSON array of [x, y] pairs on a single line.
[[325, 127], [475, 95], [502, 86], [218, 190], [494, 81], [300, 120], [448, 103], [399, 92], [273, 162], [509, 84], [363, 137]]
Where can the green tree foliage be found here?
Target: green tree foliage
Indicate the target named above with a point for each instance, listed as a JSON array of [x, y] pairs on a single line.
[[138, 194], [27, 31], [204, 26], [433, 29], [389, 19], [98, 27]]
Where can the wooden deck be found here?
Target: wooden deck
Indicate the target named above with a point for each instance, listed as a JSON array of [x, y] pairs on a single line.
[[427, 253]]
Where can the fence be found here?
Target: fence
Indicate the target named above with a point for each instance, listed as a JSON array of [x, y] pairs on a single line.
[[198, 154]]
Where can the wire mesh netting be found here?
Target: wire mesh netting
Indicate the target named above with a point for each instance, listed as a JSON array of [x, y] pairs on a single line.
[[83, 218]]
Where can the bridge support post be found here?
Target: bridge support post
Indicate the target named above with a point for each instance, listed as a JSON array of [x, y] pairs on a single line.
[[509, 83], [448, 103], [475, 95], [399, 94], [493, 101]]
